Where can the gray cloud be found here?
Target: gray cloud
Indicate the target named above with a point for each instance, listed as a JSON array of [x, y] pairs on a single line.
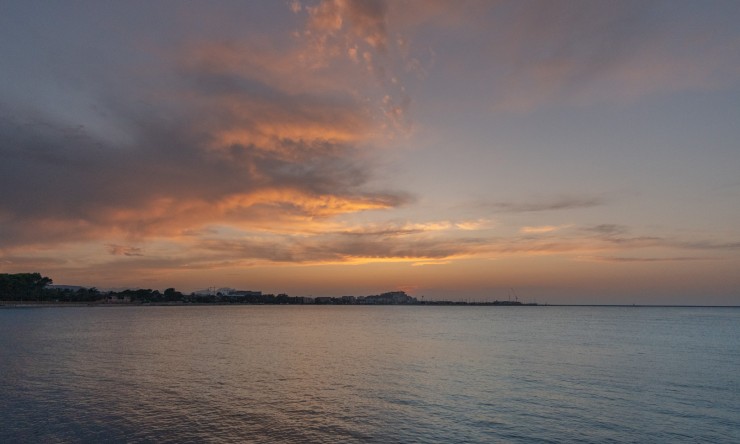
[[550, 204], [606, 229], [124, 250], [708, 245], [646, 259], [542, 53], [613, 51]]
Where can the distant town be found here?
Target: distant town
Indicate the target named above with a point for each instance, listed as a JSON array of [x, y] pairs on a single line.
[[33, 288]]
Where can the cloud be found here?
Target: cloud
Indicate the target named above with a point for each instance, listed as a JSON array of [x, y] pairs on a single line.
[[531, 54], [606, 229], [22, 263], [419, 243], [326, 249], [357, 32], [541, 229], [549, 204], [228, 144], [410, 228], [224, 143], [124, 250], [430, 242], [472, 225], [421, 264], [393, 229], [641, 259], [707, 245], [363, 20], [611, 52], [535, 54]]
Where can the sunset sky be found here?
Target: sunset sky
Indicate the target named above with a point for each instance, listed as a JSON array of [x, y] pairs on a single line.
[[579, 152]]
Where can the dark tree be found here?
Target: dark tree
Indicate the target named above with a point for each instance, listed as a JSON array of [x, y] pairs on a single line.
[[172, 295], [23, 286]]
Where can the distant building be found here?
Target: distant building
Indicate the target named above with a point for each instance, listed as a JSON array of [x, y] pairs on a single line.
[[390, 298], [243, 293], [118, 299], [242, 296]]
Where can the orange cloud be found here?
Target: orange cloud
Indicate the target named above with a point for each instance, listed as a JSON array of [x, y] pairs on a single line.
[[421, 264], [541, 229], [472, 225], [365, 20], [309, 204], [232, 142], [350, 34]]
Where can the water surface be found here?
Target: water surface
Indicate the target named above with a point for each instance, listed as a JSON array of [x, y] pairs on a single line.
[[369, 374]]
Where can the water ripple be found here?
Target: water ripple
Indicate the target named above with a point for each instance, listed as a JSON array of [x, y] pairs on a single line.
[[369, 374]]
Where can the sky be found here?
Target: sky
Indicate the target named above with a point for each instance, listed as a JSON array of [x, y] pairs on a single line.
[[578, 152]]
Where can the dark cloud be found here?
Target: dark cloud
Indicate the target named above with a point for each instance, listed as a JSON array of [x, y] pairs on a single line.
[[124, 250]]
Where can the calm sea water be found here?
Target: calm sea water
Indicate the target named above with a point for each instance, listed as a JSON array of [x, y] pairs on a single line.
[[369, 374]]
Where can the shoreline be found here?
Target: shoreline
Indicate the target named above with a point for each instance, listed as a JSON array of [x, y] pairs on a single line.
[[28, 304]]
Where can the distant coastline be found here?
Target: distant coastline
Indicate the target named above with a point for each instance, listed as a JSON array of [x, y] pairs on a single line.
[[338, 302], [32, 290], [41, 304], [29, 289]]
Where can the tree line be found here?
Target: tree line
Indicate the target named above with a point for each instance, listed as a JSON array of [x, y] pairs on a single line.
[[33, 287]]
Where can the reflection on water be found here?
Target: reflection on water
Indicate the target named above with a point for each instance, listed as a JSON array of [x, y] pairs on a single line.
[[369, 374]]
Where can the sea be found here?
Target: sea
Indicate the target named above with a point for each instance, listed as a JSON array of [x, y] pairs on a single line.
[[369, 374]]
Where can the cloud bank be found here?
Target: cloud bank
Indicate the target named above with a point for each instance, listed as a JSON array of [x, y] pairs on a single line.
[[229, 140]]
